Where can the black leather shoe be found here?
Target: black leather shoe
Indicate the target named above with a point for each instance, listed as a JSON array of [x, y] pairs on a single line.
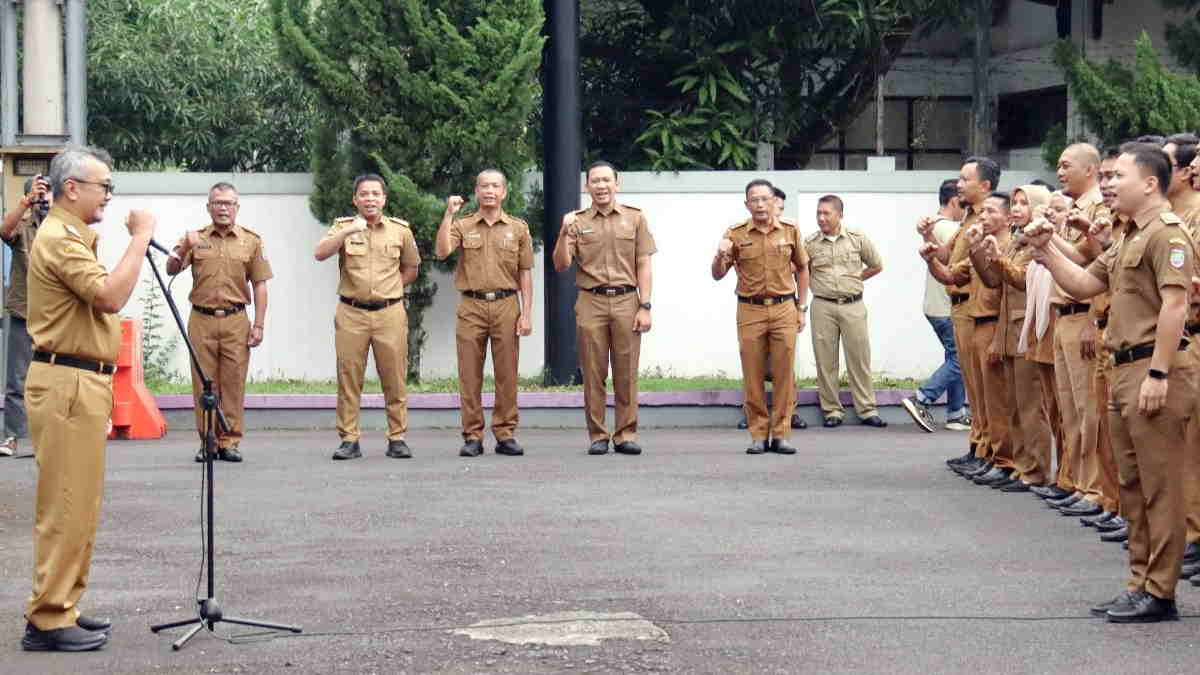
[[1144, 608], [1116, 535], [831, 422], [69, 639], [984, 467], [471, 448], [200, 456], [1051, 492], [757, 448], [1070, 500], [628, 448], [510, 447], [348, 450], [398, 450], [993, 475], [780, 446], [231, 454], [598, 447], [970, 466], [1102, 517], [1196, 580], [1112, 524], [744, 424], [798, 422], [1191, 554], [959, 461], [874, 421], [1083, 507], [1016, 486], [1125, 599], [94, 623]]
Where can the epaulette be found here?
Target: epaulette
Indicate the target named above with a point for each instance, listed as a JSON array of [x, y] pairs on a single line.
[[852, 231], [72, 232], [631, 208], [398, 221], [250, 232], [1171, 219], [785, 221], [740, 225], [345, 219], [580, 212], [812, 237]]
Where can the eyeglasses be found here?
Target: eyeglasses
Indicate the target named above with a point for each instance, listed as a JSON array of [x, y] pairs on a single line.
[[109, 188], [223, 205]]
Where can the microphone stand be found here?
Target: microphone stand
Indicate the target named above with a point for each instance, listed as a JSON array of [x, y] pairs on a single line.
[[210, 611]]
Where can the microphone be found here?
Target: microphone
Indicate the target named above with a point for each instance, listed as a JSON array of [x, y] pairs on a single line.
[[163, 250]]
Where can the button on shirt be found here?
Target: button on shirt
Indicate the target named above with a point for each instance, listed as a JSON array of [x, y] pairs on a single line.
[[222, 263], [837, 262], [64, 279], [606, 247], [371, 261], [493, 254], [764, 256]]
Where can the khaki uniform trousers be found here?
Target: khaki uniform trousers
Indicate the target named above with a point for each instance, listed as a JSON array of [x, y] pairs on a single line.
[[68, 412], [1191, 464], [844, 325], [480, 322], [993, 398], [1149, 457], [1028, 422], [1105, 478], [768, 332], [1048, 385], [385, 331], [964, 337], [223, 353], [1073, 375], [604, 327]]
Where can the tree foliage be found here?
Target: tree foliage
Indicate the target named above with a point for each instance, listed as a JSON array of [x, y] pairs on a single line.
[[697, 83], [196, 85], [424, 92]]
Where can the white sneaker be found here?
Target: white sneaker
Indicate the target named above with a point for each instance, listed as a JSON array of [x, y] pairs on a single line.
[[919, 412], [9, 447], [960, 423]]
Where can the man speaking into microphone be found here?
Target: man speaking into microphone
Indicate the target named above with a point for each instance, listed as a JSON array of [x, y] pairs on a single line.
[[227, 261]]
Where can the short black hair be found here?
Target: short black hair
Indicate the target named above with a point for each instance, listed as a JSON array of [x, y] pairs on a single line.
[[779, 194], [1003, 197], [597, 165], [367, 178], [1151, 159], [833, 199], [1185, 147], [223, 187], [1151, 138], [986, 168], [1111, 152], [948, 191], [757, 182], [1039, 181]]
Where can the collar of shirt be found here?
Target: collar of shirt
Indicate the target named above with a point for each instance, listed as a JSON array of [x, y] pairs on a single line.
[[75, 225], [231, 231], [477, 218], [1147, 215], [1089, 198], [834, 237], [595, 212], [772, 225]]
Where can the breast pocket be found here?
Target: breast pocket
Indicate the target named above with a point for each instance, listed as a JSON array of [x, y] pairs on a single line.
[[356, 253], [821, 259], [508, 249], [626, 238], [206, 253], [1128, 261]]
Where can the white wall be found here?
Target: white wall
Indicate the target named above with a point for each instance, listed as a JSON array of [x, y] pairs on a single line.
[[693, 331]]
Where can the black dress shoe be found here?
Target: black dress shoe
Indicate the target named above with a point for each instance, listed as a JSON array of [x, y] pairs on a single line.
[[1125, 599], [231, 454], [991, 476], [798, 422], [780, 446], [970, 466], [757, 448], [958, 461], [471, 448], [831, 422], [1050, 492], [1116, 535], [598, 447], [347, 450], [398, 450], [510, 447], [1083, 507], [1070, 500], [1191, 554], [874, 421], [200, 456], [1092, 521], [1112, 524], [93, 623], [1012, 480], [1016, 486], [628, 448], [1144, 608], [984, 467], [69, 639], [1196, 580], [744, 424]]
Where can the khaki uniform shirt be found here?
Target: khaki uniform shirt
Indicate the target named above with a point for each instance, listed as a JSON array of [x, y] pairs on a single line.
[[1156, 252], [985, 301], [1012, 303], [222, 264], [64, 279], [764, 258], [1092, 205], [960, 256], [606, 248], [370, 262], [835, 270], [15, 300], [493, 254]]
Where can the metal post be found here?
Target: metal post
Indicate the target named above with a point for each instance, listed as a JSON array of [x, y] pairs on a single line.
[[8, 73], [563, 141], [76, 57], [981, 106]]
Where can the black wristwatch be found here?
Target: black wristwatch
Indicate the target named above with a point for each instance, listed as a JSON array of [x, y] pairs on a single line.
[[645, 306], [1157, 374]]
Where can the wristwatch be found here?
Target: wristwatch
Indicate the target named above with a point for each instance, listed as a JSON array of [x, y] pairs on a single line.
[[1157, 374], [645, 306]]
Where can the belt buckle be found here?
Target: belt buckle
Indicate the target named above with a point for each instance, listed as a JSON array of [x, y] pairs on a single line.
[[610, 292], [843, 301], [490, 295], [220, 313]]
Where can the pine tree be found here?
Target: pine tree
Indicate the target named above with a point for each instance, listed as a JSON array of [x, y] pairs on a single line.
[[424, 92]]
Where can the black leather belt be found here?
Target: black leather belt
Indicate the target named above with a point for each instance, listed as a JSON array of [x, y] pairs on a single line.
[[959, 298], [490, 295], [1066, 310], [611, 291], [768, 301], [1139, 352], [73, 362], [370, 306], [840, 301], [1103, 323], [980, 320], [1192, 328], [219, 312]]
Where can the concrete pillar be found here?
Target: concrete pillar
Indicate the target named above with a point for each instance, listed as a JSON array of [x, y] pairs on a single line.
[[43, 91]]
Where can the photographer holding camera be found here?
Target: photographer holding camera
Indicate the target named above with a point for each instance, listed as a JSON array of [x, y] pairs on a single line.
[[20, 226]]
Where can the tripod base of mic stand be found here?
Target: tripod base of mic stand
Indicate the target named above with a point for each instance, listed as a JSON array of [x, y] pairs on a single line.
[[210, 613]]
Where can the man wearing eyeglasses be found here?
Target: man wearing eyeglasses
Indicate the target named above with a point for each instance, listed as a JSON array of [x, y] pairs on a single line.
[[227, 261]]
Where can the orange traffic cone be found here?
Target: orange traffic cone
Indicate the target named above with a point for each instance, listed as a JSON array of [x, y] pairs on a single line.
[[135, 413]]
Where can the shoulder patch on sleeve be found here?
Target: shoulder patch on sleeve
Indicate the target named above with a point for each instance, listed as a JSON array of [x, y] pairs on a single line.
[[631, 208], [76, 247], [1177, 256], [399, 221], [812, 237]]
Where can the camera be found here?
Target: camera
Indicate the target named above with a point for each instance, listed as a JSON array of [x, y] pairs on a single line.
[[41, 207]]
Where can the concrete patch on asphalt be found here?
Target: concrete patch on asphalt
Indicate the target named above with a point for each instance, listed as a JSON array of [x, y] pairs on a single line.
[[566, 629]]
